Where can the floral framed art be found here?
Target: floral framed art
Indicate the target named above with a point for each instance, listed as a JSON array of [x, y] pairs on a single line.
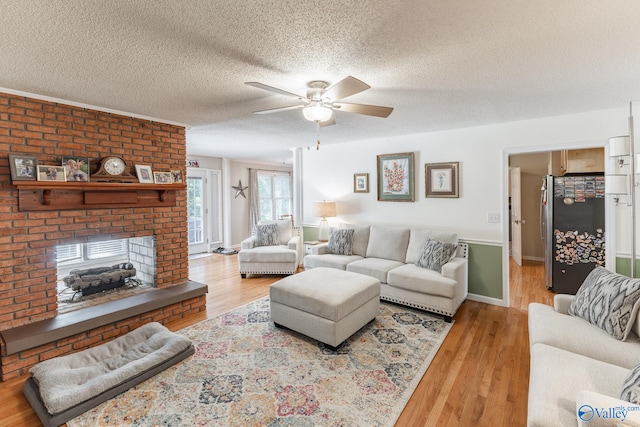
[[396, 177], [441, 179], [360, 182]]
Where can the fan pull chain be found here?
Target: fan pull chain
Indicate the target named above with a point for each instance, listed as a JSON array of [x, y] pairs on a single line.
[[318, 143]]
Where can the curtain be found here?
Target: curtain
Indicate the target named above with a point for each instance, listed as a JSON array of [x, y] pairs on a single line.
[[254, 199]]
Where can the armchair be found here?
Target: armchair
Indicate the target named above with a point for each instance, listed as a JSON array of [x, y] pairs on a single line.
[[259, 256]]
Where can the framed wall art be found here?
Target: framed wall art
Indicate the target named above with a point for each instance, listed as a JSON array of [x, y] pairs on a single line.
[[441, 179], [360, 182], [396, 178], [23, 167]]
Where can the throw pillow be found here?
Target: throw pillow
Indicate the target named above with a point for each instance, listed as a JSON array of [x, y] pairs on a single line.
[[608, 300], [631, 387], [435, 254], [267, 235], [341, 242]]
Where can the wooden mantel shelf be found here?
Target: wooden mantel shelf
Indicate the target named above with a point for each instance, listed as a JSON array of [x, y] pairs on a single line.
[[49, 196]]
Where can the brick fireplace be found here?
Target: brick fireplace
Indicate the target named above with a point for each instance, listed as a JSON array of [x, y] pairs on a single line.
[[28, 239]]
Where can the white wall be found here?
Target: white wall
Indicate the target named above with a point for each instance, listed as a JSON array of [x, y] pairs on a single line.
[[328, 173]]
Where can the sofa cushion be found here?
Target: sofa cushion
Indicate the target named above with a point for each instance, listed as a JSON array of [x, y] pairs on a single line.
[[341, 242], [435, 254], [388, 243], [330, 260], [266, 235], [579, 336], [374, 267], [417, 279], [360, 238], [557, 376], [275, 253], [609, 301], [631, 387], [419, 236]]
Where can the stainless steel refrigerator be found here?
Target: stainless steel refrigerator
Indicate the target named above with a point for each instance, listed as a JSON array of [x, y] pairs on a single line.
[[572, 227]]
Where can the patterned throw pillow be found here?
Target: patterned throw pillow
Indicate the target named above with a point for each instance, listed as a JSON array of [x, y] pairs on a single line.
[[341, 242], [267, 235], [631, 387], [435, 254], [608, 300]]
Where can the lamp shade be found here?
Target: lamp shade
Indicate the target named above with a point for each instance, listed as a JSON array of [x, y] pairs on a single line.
[[324, 209], [619, 146], [317, 113], [616, 184]]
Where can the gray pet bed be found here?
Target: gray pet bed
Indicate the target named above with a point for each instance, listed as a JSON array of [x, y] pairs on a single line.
[[64, 387]]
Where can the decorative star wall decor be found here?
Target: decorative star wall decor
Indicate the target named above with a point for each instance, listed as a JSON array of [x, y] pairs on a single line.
[[239, 189]]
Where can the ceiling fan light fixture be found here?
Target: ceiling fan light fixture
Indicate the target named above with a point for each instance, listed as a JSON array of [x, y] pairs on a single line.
[[317, 113]]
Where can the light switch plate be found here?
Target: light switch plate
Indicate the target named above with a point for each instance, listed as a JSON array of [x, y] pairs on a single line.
[[493, 218]]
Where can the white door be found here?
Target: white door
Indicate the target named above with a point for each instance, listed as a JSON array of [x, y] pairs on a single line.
[[516, 215], [197, 210]]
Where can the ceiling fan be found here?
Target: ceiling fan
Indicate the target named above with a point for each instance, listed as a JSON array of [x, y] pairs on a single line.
[[322, 99]]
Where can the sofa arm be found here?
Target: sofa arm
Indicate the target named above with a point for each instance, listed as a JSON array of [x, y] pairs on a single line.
[[294, 243], [561, 302], [248, 243], [617, 411], [458, 269], [320, 249]]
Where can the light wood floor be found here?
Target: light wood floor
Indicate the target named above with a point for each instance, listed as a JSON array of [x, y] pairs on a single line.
[[478, 378]]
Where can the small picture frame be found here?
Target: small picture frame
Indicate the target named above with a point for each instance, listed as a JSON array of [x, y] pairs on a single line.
[[176, 177], [162, 177], [144, 174], [51, 173], [442, 179], [360, 182], [77, 168], [23, 167], [396, 178]]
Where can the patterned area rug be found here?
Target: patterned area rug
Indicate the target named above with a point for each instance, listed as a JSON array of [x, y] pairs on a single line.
[[246, 372]]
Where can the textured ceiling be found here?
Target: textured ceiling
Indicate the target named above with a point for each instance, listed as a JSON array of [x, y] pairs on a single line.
[[441, 64]]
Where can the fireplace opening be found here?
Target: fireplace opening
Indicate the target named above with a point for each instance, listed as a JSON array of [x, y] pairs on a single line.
[[96, 272]]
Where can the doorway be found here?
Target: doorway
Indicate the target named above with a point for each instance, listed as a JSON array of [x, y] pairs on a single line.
[[204, 209], [534, 164]]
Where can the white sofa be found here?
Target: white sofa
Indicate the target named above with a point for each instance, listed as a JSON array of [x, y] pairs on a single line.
[[282, 258], [389, 255], [575, 365]]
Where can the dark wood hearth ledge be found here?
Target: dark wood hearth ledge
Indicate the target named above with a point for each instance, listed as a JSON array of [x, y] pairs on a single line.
[[69, 324]]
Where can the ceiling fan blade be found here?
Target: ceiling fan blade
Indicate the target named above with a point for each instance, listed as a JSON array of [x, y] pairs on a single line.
[[344, 88], [277, 110], [369, 110], [329, 122], [274, 89]]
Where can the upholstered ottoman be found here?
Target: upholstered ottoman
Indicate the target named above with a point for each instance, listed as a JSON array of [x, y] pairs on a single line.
[[326, 304]]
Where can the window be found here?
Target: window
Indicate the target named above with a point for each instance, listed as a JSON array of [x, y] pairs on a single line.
[[274, 191], [90, 251]]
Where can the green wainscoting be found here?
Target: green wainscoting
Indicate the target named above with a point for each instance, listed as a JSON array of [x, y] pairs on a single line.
[[485, 266], [623, 266], [485, 270]]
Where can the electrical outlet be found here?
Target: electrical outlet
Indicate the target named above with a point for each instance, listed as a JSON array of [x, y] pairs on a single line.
[[493, 218]]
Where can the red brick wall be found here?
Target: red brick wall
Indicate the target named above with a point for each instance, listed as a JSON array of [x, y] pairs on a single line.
[[49, 131]]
